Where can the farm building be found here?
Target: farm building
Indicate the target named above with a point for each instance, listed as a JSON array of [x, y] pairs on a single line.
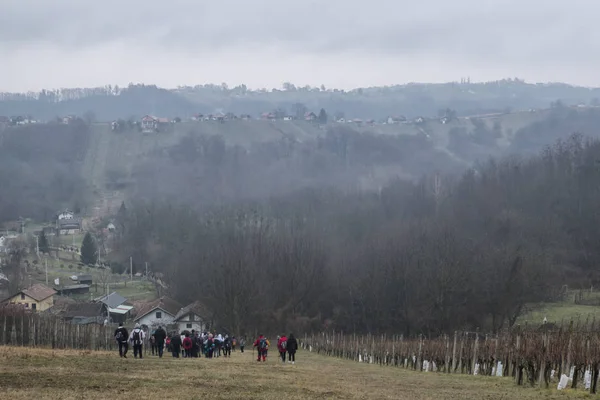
[[72, 289]]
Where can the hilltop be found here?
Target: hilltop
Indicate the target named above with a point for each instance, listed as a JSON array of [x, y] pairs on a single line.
[[411, 100]]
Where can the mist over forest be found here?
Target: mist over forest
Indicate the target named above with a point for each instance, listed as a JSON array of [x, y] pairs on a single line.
[[480, 203]]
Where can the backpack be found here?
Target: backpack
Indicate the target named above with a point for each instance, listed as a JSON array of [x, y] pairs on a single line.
[[262, 344], [136, 337], [284, 345]]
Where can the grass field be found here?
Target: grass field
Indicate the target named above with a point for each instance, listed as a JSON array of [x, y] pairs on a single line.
[[46, 374]]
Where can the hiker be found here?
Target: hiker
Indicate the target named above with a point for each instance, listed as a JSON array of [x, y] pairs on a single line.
[[121, 336], [233, 343], [153, 344], [182, 337], [176, 344], [242, 343], [210, 346], [187, 345], [282, 347], [227, 346], [262, 346], [137, 339], [159, 340], [218, 344], [194, 337], [292, 346], [168, 344]]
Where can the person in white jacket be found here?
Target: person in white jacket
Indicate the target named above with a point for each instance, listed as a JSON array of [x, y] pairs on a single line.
[[137, 340]]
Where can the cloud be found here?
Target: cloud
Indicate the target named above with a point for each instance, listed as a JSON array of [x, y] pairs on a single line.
[[74, 42]]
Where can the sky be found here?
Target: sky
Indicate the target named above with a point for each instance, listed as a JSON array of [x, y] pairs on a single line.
[[264, 43]]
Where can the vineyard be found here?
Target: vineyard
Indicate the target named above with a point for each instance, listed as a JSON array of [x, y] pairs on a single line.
[[531, 357]]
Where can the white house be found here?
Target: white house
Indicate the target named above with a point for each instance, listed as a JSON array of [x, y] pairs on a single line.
[[191, 317], [160, 312], [66, 215]]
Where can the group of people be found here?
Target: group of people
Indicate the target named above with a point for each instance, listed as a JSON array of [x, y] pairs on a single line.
[[285, 345], [195, 344], [205, 344]]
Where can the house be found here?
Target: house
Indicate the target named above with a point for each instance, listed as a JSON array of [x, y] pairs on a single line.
[[37, 297], [84, 313], [68, 119], [193, 316], [151, 123], [68, 226], [158, 312], [310, 116], [70, 290], [66, 214], [84, 279]]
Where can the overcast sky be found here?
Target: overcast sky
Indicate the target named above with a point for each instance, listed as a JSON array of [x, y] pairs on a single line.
[[263, 43]]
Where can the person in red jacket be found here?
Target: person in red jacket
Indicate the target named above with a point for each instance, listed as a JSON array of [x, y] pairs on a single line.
[[262, 345], [282, 347], [187, 345]]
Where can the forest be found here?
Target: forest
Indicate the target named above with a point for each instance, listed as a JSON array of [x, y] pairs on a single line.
[[442, 253], [39, 170]]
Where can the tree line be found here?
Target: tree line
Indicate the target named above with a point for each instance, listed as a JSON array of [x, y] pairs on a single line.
[[430, 256]]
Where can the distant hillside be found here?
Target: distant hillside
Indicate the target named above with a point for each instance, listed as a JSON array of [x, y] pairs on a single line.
[[410, 100], [209, 161]]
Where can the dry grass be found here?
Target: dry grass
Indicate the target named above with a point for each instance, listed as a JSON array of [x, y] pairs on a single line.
[[46, 374]]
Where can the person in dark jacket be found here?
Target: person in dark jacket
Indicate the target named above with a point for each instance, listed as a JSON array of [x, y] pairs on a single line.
[[121, 336], [194, 337], [176, 344], [292, 346], [227, 346], [159, 340]]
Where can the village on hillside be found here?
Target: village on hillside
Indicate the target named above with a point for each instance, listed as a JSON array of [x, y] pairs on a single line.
[[58, 283]]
